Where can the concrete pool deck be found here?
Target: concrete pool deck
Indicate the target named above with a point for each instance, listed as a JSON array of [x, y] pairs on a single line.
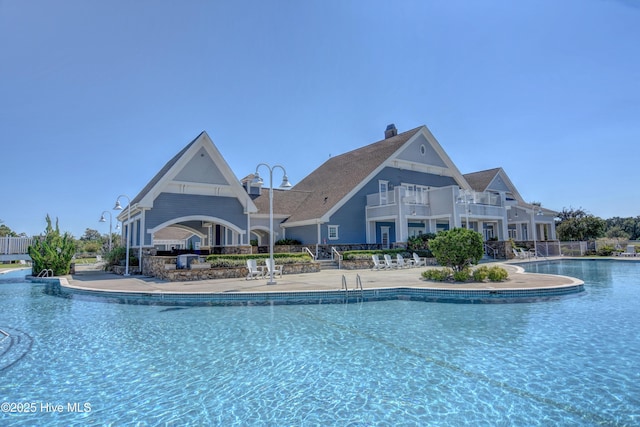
[[91, 279]]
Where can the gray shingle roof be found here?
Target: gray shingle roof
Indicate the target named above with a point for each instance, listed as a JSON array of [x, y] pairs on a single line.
[[334, 179], [284, 201], [479, 181], [162, 172]]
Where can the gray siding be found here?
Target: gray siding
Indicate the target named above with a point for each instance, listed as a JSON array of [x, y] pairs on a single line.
[[201, 168], [307, 234], [498, 184], [168, 206], [351, 216], [413, 153]]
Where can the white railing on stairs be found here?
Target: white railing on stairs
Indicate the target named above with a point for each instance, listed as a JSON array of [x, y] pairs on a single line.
[[335, 254], [307, 250]]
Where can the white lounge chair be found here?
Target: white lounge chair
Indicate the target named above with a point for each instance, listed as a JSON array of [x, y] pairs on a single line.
[[254, 271], [377, 265], [630, 251], [389, 262], [401, 263], [277, 269], [417, 261], [517, 254], [528, 254]]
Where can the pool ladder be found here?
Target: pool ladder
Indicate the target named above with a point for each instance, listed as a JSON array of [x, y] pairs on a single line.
[[358, 284], [47, 272]]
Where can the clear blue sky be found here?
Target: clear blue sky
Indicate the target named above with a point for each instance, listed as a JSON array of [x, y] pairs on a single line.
[[95, 97]]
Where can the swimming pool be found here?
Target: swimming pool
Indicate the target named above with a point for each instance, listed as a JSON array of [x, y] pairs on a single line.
[[569, 361]]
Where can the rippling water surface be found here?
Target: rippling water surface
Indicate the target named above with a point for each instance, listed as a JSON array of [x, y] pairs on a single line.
[[569, 361]]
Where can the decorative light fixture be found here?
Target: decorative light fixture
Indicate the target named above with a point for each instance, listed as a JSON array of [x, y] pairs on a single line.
[[285, 184], [118, 207], [103, 219]]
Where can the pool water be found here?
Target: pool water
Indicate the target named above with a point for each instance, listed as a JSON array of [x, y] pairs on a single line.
[[569, 361]]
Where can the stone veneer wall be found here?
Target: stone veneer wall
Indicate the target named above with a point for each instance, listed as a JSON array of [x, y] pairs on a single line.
[[155, 266], [120, 269]]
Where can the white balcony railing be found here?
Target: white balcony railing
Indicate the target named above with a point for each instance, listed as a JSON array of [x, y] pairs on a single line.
[[485, 210]]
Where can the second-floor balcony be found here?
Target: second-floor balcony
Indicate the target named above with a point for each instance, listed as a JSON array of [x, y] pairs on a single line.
[[401, 201]]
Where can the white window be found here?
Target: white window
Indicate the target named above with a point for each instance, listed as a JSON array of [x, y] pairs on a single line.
[[333, 232]]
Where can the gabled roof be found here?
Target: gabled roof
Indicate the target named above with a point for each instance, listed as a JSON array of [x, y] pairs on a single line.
[[492, 179], [178, 175], [284, 201], [162, 172], [333, 183]]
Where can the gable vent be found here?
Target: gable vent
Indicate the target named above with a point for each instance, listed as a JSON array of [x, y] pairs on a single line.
[[390, 131]]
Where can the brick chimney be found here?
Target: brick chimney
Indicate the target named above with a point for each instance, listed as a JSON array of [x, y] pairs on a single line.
[[390, 131]]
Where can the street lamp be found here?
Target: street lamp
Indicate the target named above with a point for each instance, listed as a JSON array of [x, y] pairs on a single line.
[[285, 184], [102, 219], [118, 207]]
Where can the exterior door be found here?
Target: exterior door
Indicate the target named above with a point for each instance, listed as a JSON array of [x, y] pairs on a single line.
[[384, 235]]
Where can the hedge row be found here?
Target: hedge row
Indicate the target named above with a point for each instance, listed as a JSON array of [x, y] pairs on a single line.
[[220, 261]]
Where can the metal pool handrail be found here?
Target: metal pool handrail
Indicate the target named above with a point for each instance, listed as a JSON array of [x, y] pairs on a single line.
[[47, 272]]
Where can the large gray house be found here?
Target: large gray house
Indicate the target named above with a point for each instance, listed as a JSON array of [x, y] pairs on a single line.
[[384, 193]]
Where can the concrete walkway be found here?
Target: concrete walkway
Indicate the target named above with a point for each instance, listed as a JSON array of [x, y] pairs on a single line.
[[91, 278]]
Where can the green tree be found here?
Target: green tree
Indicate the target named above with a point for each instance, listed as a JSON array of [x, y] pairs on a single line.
[[6, 231], [616, 232], [457, 248], [92, 247], [91, 241], [52, 250], [578, 224], [91, 235], [419, 242], [569, 213], [586, 228]]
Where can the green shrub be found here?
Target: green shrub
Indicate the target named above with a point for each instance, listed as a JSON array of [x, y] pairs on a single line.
[[53, 250], [457, 248], [497, 274], [116, 255], [235, 261], [480, 274], [437, 274], [420, 244], [462, 275], [288, 242], [605, 251]]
